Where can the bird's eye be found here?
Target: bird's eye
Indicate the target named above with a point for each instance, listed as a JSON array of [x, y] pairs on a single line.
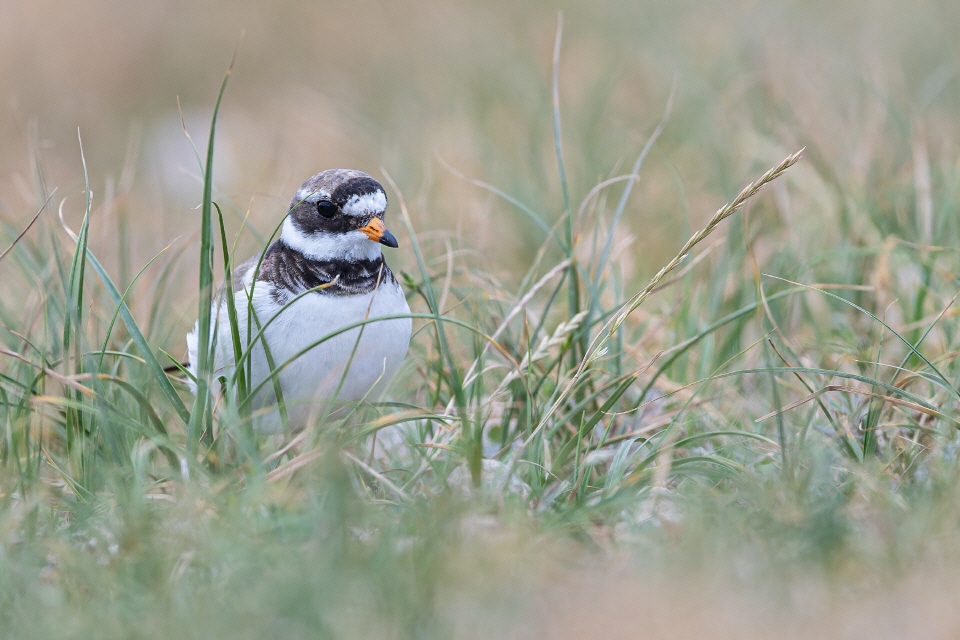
[[326, 208]]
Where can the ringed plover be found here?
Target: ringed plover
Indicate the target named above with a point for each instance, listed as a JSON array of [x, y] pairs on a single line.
[[326, 271]]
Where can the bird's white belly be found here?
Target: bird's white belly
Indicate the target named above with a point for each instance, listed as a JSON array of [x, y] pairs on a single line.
[[373, 351], [313, 364]]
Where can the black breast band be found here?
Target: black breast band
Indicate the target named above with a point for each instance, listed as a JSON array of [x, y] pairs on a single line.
[[292, 273]]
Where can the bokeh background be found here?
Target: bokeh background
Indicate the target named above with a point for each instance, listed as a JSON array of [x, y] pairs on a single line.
[[414, 88]]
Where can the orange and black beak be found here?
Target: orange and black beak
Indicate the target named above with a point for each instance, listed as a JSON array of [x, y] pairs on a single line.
[[378, 233]]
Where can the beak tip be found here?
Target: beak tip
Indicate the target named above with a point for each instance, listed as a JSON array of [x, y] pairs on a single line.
[[387, 239]]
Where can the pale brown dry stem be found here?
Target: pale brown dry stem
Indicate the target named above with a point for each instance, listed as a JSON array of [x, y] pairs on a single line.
[[596, 347]]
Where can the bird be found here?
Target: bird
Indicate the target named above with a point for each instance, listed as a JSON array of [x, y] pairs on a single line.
[[324, 272]]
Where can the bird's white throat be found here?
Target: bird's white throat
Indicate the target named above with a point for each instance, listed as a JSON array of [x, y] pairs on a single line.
[[352, 246]]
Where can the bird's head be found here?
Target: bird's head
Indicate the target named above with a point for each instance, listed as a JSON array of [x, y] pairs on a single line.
[[338, 214]]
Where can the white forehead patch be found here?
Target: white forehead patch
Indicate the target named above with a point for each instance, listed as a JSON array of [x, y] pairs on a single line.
[[375, 203], [305, 194]]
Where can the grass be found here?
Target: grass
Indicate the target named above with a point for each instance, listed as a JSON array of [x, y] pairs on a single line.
[[768, 425]]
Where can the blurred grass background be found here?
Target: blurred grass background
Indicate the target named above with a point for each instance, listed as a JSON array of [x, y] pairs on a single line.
[[820, 546]]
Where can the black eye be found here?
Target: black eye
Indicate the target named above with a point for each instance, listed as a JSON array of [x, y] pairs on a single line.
[[326, 208]]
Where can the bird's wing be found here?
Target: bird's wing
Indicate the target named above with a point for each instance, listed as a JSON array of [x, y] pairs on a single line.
[[241, 270]]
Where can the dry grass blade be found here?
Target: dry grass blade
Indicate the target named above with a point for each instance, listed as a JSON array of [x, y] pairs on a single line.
[[27, 228], [722, 214], [517, 309], [379, 477], [913, 406], [292, 465], [67, 380], [596, 347]]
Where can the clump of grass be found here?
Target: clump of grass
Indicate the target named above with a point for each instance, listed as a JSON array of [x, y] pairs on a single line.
[[550, 418]]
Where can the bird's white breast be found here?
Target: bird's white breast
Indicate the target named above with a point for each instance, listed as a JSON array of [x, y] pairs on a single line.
[[313, 364]]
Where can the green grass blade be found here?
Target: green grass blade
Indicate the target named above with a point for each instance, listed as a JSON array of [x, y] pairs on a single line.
[[943, 381], [146, 352], [116, 313], [200, 416]]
